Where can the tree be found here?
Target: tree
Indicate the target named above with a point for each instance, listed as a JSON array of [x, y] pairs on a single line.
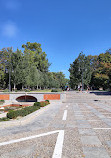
[[28, 69], [17, 68], [34, 54], [101, 75], [81, 70], [6, 67]]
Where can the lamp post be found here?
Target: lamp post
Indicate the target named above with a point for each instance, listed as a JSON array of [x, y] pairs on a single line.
[[9, 80], [82, 81], [10, 55]]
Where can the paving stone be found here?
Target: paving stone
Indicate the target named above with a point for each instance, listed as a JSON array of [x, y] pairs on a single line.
[[90, 140], [83, 126], [94, 152], [86, 132], [109, 143]]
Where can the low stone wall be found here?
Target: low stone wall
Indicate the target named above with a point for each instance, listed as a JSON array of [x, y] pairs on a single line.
[[39, 96]]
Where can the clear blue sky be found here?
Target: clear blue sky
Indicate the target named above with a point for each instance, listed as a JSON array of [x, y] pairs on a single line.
[[63, 27]]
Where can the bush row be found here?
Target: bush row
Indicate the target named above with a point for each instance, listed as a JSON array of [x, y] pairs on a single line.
[[56, 90], [22, 112], [12, 114]]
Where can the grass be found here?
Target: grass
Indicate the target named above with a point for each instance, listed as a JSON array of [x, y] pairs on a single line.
[[44, 90]]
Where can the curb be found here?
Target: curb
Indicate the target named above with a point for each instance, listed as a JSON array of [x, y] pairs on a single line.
[[25, 119]]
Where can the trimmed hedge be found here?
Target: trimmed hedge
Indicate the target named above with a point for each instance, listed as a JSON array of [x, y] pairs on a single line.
[[37, 104], [12, 114], [22, 112], [43, 103]]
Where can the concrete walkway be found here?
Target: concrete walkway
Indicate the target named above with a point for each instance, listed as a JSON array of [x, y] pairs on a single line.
[[80, 127]]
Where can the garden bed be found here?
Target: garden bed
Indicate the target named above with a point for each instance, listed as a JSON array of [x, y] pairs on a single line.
[[15, 112]]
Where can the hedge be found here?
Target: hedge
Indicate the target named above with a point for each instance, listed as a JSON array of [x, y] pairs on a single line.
[[22, 112], [37, 104], [12, 114]]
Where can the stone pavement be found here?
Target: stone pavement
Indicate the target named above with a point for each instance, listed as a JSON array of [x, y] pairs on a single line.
[[84, 120]]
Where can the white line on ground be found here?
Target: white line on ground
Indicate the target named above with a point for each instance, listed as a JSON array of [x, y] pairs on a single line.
[[95, 120], [28, 138], [59, 144], [65, 115], [101, 128], [66, 106]]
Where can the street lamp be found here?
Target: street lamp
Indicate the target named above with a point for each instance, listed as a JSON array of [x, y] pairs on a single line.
[[9, 80], [10, 55]]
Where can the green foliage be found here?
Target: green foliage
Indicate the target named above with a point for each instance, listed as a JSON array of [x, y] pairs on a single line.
[[27, 90], [95, 70], [2, 101], [4, 119], [56, 90], [47, 101], [12, 114], [43, 103], [22, 112], [28, 69], [37, 104], [6, 90]]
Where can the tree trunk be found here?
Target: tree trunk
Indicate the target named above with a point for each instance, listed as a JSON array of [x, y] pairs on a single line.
[[37, 86]]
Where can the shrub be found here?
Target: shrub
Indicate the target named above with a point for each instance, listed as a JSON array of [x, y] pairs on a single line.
[[56, 90], [22, 112], [27, 90], [47, 101], [43, 103], [37, 104], [2, 101], [12, 114]]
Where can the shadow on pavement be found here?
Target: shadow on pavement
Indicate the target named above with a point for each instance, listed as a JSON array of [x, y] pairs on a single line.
[[101, 93]]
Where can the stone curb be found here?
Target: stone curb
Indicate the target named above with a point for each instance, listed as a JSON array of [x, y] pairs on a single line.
[[25, 119]]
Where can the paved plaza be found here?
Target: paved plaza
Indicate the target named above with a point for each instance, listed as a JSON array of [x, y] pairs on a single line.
[[79, 127]]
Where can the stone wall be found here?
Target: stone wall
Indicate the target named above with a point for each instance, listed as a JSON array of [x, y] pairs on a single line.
[[38, 96]]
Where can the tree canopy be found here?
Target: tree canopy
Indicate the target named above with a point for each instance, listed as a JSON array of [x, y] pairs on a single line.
[[96, 71], [28, 69]]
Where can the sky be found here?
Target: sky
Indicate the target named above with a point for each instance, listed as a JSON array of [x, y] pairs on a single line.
[[64, 28]]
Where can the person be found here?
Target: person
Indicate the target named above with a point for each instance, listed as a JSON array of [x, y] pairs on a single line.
[[87, 89], [78, 88], [81, 88]]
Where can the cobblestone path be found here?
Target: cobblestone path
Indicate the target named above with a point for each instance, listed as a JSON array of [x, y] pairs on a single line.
[[80, 127]]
